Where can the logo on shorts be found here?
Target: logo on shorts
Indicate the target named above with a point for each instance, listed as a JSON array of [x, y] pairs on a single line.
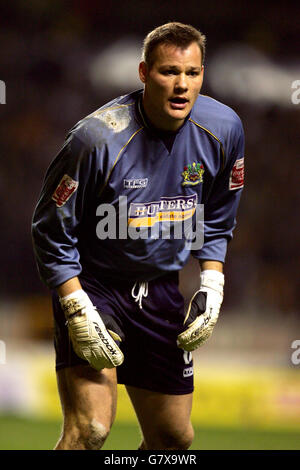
[[192, 174], [188, 372], [67, 186], [187, 357], [135, 183]]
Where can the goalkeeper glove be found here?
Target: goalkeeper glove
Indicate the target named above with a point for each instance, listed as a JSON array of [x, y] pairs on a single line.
[[91, 339], [203, 311]]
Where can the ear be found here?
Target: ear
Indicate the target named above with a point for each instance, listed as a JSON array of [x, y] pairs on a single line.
[[143, 69]]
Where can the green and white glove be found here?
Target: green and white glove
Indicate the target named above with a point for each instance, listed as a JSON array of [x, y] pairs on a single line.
[[93, 333], [203, 311]]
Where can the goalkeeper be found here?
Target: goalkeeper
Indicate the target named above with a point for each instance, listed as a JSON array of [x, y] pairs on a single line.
[[118, 313]]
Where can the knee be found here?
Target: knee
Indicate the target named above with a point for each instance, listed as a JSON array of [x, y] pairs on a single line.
[[172, 439], [179, 440], [85, 435]]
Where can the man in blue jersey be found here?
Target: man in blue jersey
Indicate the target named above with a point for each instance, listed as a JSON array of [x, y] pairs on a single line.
[[146, 158]]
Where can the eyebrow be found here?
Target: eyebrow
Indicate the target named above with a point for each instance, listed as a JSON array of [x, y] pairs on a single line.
[[175, 67]]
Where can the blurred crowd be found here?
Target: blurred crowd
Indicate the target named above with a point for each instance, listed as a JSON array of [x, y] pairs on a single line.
[[46, 49]]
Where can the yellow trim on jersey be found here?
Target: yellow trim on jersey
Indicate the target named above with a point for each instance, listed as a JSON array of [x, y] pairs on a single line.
[[115, 162], [164, 216], [215, 137]]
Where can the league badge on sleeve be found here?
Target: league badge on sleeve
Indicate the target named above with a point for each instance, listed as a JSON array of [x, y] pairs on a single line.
[[67, 186], [236, 180]]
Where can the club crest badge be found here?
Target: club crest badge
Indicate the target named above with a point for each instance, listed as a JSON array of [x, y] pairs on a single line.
[[192, 174]]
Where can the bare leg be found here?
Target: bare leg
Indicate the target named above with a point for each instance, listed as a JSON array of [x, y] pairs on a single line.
[[164, 419], [88, 400]]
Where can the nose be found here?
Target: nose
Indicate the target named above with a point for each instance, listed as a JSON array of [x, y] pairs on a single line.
[[181, 83]]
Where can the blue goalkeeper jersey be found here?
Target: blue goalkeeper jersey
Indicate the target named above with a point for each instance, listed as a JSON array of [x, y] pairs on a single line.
[[116, 193]]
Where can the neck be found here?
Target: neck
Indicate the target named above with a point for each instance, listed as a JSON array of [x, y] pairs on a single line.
[[157, 121]]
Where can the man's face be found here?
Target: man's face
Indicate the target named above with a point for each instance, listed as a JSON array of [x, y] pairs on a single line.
[[172, 84]]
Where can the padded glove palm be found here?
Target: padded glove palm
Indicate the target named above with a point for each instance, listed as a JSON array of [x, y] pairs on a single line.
[[93, 334]]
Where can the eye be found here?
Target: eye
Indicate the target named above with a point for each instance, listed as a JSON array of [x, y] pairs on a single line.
[[169, 72], [193, 73]]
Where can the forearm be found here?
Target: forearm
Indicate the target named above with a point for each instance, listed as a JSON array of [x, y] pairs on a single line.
[[209, 264], [68, 287]]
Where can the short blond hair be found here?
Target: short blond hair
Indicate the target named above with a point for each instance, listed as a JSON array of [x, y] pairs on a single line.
[[178, 34]]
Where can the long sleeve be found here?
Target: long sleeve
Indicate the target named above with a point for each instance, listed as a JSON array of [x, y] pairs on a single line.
[[68, 182], [220, 209]]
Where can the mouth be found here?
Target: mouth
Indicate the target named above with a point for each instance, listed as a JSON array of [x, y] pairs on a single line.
[[178, 102]]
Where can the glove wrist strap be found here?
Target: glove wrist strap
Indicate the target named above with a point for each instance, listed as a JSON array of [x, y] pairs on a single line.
[[212, 279], [75, 302], [77, 294]]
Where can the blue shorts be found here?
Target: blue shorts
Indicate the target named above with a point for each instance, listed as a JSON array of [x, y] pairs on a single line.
[[152, 359]]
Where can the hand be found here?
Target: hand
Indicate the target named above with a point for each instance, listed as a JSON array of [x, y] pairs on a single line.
[[203, 311], [91, 339]]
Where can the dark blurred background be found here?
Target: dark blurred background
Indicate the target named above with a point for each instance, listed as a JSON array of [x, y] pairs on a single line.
[[62, 60]]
